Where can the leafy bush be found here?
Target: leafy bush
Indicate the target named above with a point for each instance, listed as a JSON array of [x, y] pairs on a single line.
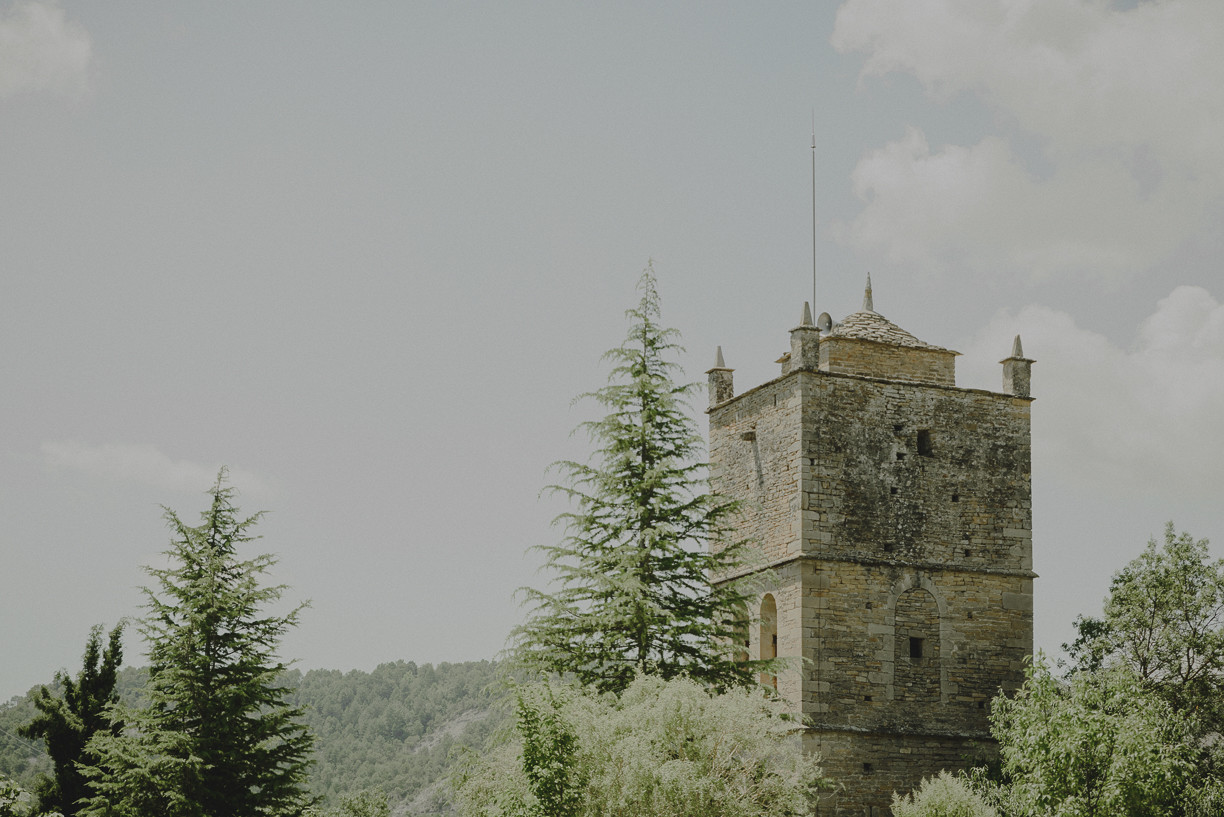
[[664, 748], [944, 796]]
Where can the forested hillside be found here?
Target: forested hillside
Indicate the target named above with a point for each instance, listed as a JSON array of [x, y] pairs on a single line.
[[391, 729]]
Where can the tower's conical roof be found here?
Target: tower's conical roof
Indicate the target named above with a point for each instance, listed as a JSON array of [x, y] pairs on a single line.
[[867, 324]]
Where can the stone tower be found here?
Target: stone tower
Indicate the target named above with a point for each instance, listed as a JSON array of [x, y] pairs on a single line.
[[892, 511]]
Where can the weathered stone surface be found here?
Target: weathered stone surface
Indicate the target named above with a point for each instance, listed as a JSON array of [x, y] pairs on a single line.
[[893, 515]]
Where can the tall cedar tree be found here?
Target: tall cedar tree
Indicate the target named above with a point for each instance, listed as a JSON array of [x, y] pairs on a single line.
[[632, 574], [218, 737], [68, 720]]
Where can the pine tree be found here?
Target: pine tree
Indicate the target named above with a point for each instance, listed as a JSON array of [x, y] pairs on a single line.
[[632, 573], [67, 721], [218, 737]]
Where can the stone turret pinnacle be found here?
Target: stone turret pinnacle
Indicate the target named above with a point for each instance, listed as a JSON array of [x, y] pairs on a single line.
[[722, 387], [805, 343], [1017, 371], [867, 305]]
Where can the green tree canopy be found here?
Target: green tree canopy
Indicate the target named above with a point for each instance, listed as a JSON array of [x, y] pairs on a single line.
[[10, 798], [1164, 619], [67, 721], [632, 574], [217, 738], [1098, 746]]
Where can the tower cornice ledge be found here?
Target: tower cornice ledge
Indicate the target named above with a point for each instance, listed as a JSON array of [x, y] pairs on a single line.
[[908, 731], [930, 567], [869, 378]]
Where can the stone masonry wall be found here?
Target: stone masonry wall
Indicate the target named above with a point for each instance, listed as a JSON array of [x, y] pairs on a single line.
[[754, 457], [871, 359], [921, 474], [869, 768], [856, 630]]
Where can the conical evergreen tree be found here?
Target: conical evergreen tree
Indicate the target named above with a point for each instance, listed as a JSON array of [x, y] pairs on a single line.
[[218, 737], [632, 574]]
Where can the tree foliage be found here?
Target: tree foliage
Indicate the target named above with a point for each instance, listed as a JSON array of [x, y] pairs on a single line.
[[632, 573], [1097, 746], [663, 748], [67, 721], [362, 804], [391, 730], [217, 738], [549, 753], [10, 798], [1164, 618]]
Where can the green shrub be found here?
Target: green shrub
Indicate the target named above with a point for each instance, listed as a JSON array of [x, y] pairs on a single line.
[[664, 748], [944, 796]]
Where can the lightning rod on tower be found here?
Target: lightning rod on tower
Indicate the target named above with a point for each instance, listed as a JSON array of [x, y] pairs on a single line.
[[813, 207]]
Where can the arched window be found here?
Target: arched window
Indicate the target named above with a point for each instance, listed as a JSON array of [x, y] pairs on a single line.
[[769, 636], [917, 648]]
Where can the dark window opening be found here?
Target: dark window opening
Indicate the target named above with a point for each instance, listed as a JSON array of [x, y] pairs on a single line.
[[888, 547], [924, 442], [868, 605], [866, 697], [897, 429], [956, 497], [968, 553], [915, 647], [900, 456], [866, 768], [892, 491]]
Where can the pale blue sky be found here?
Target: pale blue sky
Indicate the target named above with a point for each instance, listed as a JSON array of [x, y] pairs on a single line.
[[366, 254]]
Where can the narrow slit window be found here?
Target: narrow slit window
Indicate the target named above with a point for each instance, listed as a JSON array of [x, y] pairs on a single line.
[[915, 647], [924, 442]]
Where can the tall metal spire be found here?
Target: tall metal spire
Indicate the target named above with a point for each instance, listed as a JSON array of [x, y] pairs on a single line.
[[813, 206], [868, 306]]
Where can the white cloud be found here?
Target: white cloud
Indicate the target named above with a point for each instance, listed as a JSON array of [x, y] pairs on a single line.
[[1126, 104], [41, 50], [142, 463], [1145, 418], [977, 207]]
